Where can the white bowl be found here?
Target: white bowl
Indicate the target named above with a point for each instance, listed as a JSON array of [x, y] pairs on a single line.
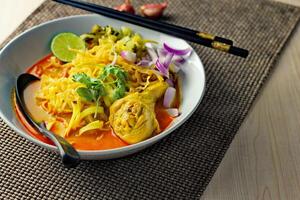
[[33, 44]]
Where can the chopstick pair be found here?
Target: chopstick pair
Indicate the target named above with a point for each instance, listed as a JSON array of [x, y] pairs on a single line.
[[201, 38]]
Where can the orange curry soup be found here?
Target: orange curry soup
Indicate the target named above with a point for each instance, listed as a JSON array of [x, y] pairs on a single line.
[[93, 140]]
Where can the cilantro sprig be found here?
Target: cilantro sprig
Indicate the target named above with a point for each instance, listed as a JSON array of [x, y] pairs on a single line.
[[96, 87], [120, 77]]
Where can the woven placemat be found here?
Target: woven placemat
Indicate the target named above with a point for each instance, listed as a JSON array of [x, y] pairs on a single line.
[[180, 166]]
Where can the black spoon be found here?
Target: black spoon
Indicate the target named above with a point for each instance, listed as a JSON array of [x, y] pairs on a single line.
[[69, 155]]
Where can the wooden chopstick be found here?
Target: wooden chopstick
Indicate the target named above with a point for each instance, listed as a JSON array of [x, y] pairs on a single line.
[[201, 38]]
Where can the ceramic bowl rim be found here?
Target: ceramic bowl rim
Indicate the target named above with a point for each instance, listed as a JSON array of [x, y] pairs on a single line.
[[108, 151]]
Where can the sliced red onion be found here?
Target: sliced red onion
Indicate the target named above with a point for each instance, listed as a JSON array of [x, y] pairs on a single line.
[[144, 63], [179, 60], [173, 112], [129, 56], [151, 52], [188, 54], [169, 97], [162, 64], [178, 52], [162, 52], [170, 82], [162, 69], [168, 60]]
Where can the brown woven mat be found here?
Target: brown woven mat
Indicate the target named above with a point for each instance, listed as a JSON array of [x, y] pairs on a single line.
[[181, 165]]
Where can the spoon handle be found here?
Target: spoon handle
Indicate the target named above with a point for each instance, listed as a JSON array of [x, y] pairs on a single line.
[[69, 155]]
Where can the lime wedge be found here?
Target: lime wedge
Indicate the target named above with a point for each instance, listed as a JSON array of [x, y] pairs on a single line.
[[63, 45]]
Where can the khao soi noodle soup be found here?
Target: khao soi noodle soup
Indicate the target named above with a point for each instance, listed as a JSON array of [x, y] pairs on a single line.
[[105, 89]]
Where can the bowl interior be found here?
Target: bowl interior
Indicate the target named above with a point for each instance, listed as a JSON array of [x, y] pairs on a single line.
[[32, 45]]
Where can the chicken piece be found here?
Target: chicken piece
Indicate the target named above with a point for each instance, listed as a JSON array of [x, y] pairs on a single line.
[[133, 117]]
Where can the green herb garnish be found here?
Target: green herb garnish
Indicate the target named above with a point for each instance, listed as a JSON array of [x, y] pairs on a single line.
[[96, 87], [92, 92], [119, 76]]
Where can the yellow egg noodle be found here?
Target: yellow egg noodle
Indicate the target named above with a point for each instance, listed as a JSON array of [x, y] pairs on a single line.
[[58, 96]]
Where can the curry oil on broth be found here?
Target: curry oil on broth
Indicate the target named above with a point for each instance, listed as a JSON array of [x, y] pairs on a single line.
[[91, 140]]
